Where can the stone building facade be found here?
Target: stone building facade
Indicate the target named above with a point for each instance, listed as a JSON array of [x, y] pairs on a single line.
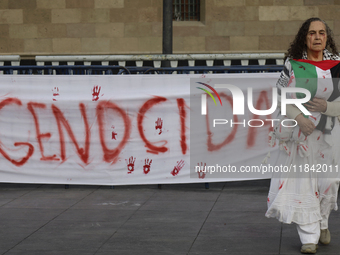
[[52, 27]]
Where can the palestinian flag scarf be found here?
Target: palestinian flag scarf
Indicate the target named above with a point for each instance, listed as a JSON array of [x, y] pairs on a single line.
[[322, 80]]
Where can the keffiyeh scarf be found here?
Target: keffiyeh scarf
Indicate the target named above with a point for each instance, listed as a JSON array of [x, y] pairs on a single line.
[[320, 78]]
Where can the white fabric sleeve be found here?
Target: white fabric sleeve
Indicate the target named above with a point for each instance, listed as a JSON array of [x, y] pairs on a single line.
[[292, 111], [333, 109]]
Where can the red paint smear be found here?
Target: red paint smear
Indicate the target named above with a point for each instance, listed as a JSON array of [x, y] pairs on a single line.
[[114, 135], [159, 124], [281, 185], [40, 136], [299, 132], [22, 161], [111, 155], [183, 115], [230, 137], [61, 121], [141, 114], [318, 137], [290, 80], [153, 152], [263, 98], [326, 191]]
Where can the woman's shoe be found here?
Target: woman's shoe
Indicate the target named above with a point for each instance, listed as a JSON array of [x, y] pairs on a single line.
[[309, 248], [325, 236]]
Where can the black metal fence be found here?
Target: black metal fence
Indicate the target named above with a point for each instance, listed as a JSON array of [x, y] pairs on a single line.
[[129, 70]]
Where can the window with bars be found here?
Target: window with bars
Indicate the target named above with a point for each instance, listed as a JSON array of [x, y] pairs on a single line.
[[186, 10]]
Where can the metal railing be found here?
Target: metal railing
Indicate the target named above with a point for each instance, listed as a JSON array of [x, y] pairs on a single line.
[[142, 64], [64, 70], [156, 60], [118, 70]]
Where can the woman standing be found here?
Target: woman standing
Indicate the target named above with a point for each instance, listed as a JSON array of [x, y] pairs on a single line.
[[309, 201]]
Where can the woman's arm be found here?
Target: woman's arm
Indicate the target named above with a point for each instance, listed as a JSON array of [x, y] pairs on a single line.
[[332, 109], [325, 107], [306, 125], [315, 105], [292, 112]]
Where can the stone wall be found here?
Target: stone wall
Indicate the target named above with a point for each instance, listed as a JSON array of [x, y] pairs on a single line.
[[50, 27]]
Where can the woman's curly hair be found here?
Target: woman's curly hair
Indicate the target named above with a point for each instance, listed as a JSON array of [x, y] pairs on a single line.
[[298, 46]]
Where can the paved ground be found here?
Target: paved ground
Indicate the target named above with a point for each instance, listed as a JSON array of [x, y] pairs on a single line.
[[227, 218]]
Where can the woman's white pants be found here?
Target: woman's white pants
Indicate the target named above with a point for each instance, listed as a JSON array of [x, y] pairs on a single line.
[[309, 233]]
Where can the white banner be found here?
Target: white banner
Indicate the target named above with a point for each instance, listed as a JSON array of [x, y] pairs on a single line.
[[117, 130]]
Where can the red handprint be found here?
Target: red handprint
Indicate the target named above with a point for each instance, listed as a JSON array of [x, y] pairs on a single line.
[[55, 91], [202, 170], [178, 167], [146, 167], [130, 164], [159, 125], [114, 133], [95, 93]]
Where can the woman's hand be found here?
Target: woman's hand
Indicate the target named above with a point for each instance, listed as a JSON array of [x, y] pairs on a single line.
[[306, 125], [316, 105]]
